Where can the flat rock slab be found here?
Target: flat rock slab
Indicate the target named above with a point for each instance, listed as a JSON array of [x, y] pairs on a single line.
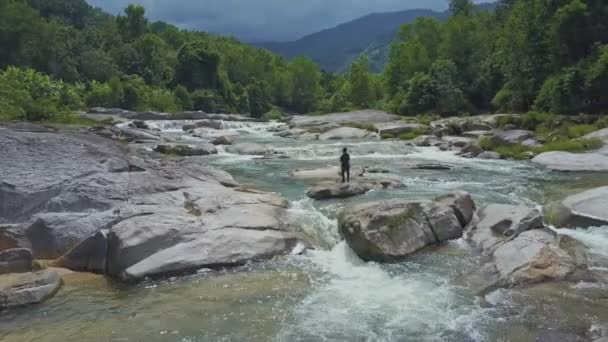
[[330, 189], [573, 162], [18, 289], [344, 133], [399, 127], [586, 209], [322, 173], [361, 116]]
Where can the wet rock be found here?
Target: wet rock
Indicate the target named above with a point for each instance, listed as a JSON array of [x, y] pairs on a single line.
[[471, 150], [134, 134], [187, 150], [291, 133], [391, 230], [88, 256], [16, 260], [223, 140], [148, 116], [400, 127], [512, 137], [203, 123], [344, 133], [432, 167], [586, 209], [497, 221], [572, 162], [139, 124], [17, 289], [534, 256], [489, 155], [247, 149], [518, 249], [459, 142], [427, 140], [323, 173], [330, 189]]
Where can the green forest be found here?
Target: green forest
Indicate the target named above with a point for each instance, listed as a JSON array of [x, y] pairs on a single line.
[[59, 56]]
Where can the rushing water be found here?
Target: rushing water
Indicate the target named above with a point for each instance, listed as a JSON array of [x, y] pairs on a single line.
[[328, 294]]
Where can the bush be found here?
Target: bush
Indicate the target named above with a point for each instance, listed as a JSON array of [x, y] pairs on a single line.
[[274, 114], [577, 131]]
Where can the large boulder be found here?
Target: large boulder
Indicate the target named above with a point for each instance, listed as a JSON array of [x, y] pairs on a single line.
[[134, 134], [391, 230], [332, 189], [471, 150], [518, 250], [499, 221], [573, 162], [458, 142], [344, 133], [512, 137], [601, 135], [17, 289], [187, 150], [247, 149], [586, 209], [16, 260], [427, 140], [400, 127], [223, 140]]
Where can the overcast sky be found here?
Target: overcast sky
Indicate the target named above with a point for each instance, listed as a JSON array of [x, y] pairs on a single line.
[[265, 19]]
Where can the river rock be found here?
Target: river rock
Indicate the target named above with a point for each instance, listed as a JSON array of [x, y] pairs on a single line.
[[16, 260], [149, 116], [187, 150], [391, 230], [344, 133], [399, 127], [512, 137], [247, 149], [498, 221], [476, 134], [332, 189], [223, 140], [471, 150], [203, 123], [601, 134], [518, 249], [17, 289], [489, 155], [322, 173], [586, 209], [572, 162], [459, 142], [427, 140], [432, 166], [134, 134], [357, 117]]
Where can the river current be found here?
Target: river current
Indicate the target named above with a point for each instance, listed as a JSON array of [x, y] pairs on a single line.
[[328, 294]]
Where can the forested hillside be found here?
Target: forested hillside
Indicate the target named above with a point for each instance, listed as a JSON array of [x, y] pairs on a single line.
[[57, 56]]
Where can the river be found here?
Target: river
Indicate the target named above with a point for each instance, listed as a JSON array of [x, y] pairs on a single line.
[[328, 294]]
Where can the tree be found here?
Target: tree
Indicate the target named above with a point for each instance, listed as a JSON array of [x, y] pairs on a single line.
[[306, 89], [461, 7], [259, 100], [134, 23], [362, 93], [198, 66]]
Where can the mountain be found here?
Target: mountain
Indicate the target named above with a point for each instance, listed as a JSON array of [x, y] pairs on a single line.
[[335, 48]]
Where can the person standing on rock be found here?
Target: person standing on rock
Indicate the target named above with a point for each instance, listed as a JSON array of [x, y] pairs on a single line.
[[345, 163]]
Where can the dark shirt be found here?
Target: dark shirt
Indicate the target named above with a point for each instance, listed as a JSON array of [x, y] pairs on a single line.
[[345, 160]]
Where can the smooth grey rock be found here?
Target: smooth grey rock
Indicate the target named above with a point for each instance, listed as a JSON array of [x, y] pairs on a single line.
[[489, 155], [148, 116], [88, 256], [358, 117], [500, 221], [16, 260], [323, 173], [477, 134], [328, 190], [344, 133], [512, 137], [17, 289], [399, 127], [471, 150], [427, 140], [601, 134], [572, 162], [215, 124], [247, 149], [531, 143], [134, 134], [459, 142], [585, 209], [391, 230], [223, 140]]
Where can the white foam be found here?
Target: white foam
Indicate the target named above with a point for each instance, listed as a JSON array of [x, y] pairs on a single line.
[[596, 239]]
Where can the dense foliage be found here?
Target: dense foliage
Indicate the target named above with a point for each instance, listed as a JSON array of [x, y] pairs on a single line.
[[57, 56], [61, 55]]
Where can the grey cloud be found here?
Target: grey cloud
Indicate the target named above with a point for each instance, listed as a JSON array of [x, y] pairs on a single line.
[[264, 19]]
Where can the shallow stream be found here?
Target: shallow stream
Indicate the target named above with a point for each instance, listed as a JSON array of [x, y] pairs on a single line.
[[328, 294]]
